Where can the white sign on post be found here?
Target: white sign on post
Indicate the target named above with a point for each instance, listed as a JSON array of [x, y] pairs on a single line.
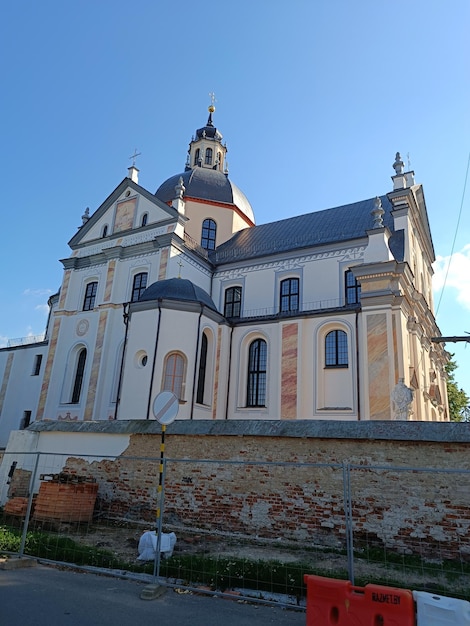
[[165, 407]]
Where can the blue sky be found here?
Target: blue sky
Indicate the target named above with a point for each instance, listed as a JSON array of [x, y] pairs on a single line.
[[313, 98]]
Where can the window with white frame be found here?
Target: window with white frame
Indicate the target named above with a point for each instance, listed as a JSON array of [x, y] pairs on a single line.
[[139, 285], [174, 374], [232, 301], [352, 288], [78, 376], [209, 231], [90, 296], [257, 370], [336, 349], [289, 295]]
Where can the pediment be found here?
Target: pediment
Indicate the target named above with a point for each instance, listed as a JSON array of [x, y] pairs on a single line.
[[122, 213]]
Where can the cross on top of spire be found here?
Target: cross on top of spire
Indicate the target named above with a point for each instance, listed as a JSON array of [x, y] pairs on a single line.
[[134, 156]]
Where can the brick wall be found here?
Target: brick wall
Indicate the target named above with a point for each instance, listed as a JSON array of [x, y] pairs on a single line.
[[286, 481]]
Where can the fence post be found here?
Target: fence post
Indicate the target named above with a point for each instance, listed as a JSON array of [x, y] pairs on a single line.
[[161, 499], [348, 519], [28, 508]]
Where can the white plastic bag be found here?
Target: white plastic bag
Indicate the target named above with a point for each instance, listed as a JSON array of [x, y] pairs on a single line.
[[148, 545]]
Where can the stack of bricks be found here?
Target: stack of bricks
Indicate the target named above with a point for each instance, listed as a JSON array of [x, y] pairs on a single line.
[[62, 501], [17, 506]]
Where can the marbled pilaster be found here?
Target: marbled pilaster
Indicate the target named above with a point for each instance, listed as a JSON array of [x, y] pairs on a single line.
[[95, 368], [378, 367], [289, 371], [6, 378], [48, 369]]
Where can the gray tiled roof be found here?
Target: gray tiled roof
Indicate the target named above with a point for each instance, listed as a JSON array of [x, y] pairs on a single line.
[[206, 184], [335, 225], [177, 289]]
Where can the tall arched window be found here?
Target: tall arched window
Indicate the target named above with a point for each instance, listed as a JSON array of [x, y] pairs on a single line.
[[139, 285], [143, 221], [336, 349], [289, 296], [196, 156], [173, 377], [208, 160], [256, 387], [78, 378], [201, 381], [209, 230], [104, 232]]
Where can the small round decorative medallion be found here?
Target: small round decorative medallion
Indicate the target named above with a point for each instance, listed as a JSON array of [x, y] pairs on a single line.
[[82, 327]]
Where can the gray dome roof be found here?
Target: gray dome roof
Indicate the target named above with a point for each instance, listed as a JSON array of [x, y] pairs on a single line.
[[206, 184], [177, 289]]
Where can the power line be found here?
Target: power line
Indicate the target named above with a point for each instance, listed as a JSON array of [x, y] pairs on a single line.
[[455, 236]]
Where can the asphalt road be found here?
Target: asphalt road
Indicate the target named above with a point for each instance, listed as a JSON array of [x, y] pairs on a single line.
[[47, 596]]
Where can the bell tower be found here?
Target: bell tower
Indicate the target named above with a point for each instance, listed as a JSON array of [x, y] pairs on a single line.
[[206, 149]]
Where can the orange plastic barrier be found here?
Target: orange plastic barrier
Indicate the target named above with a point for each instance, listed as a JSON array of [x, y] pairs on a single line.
[[332, 602]]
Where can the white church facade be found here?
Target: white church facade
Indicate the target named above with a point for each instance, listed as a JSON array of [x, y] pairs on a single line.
[[312, 317]]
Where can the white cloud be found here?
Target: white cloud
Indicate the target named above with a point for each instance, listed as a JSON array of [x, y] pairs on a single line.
[[37, 292], [43, 308], [458, 275]]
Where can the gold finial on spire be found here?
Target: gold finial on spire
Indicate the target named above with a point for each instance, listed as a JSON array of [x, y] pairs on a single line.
[[211, 107]]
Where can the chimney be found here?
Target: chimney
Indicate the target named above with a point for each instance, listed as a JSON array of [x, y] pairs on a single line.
[[133, 174]]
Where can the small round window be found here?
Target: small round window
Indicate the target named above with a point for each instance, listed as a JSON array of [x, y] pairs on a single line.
[[141, 359]]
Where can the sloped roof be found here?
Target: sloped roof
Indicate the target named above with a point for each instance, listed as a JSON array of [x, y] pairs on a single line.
[[180, 289], [335, 225]]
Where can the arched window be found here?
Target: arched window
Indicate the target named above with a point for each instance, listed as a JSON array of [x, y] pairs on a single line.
[[143, 221], [139, 285], [208, 160], [173, 377], [233, 301], [256, 387], [78, 378], [289, 296], [201, 381], [90, 295], [352, 287], [104, 232], [336, 349], [209, 230], [196, 156]]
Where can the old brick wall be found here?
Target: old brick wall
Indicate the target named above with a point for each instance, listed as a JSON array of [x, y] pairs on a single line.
[[409, 485]]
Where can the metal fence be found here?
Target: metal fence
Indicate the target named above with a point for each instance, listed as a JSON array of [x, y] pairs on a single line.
[[242, 527]]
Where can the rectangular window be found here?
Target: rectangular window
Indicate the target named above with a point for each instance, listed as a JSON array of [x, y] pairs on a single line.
[[37, 365], [233, 301], [90, 295], [289, 297], [353, 289], [139, 286]]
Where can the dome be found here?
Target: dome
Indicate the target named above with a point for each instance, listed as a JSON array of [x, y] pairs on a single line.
[[177, 289], [206, 184]]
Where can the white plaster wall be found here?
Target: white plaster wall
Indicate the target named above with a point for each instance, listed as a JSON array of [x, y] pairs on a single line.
[[54, 448], [23, 389], [227, 220], [77, 286], [137, 378]]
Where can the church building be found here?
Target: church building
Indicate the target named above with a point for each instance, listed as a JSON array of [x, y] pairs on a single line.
[[318, 316]]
